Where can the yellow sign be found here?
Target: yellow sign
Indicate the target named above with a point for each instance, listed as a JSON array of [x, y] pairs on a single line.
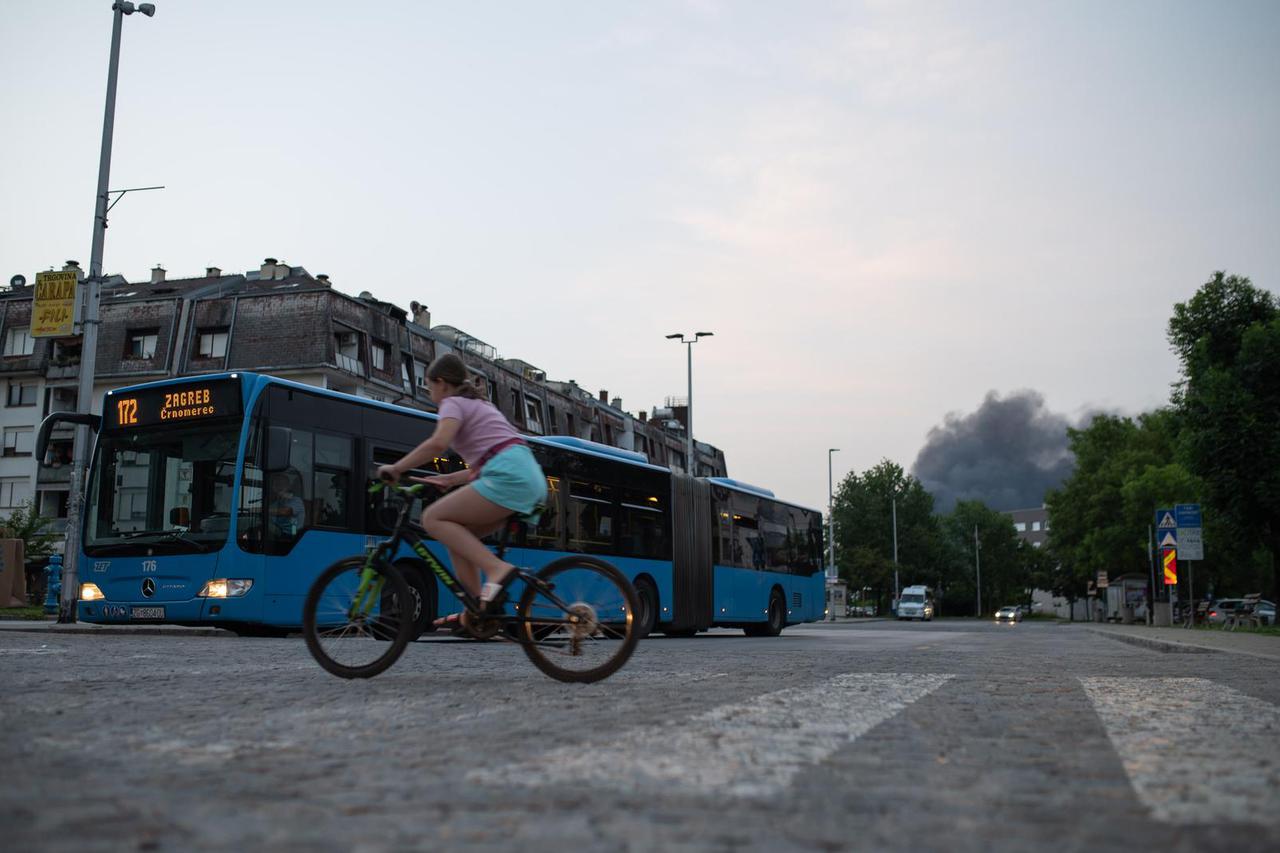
[[54, 311], [1170, 562]]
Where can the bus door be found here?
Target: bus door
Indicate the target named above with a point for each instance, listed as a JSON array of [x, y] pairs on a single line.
[[692, 581]]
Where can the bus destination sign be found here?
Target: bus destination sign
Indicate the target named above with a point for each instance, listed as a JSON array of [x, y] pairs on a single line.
[[171, 405]]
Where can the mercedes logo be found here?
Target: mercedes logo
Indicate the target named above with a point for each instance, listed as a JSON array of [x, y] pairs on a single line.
[[148, 587]]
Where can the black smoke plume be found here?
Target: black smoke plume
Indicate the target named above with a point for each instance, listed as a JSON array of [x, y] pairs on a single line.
[[1007, 454]]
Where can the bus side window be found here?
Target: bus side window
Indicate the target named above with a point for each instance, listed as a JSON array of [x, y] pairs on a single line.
[[748, 546], [547, 533], [641, 531], [591, 514], [332, 481]]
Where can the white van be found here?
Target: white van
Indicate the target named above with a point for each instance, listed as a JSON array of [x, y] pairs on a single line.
[[916, 602]]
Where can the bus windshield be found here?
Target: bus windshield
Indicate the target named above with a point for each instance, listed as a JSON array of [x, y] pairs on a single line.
[[912, 598], [162, 490]]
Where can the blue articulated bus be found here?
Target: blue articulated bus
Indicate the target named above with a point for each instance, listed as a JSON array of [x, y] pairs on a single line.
[[218, 499]]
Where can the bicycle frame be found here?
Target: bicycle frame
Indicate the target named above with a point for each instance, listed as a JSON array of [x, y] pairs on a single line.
[[402, 532]]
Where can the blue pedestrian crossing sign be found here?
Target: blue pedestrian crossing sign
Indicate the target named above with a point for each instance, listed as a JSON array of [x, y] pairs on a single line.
[[1165, 520]]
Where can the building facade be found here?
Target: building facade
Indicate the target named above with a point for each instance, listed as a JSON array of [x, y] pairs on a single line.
[[281, 320]]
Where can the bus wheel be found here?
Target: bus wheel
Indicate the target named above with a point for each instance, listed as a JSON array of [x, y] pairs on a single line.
[[647, 594], [776, 621], [424, 604]]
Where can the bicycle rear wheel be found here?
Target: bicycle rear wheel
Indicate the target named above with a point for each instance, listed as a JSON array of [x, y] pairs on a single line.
[[356, 631], [578, 619]]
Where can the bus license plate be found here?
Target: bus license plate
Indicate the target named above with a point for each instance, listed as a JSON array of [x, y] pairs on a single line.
[[147, 613]]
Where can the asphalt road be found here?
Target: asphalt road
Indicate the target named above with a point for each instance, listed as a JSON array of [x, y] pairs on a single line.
[[879, 735]]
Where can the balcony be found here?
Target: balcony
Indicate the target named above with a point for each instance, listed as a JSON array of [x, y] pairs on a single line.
[[51, 475], [349, 364], [64, 369]]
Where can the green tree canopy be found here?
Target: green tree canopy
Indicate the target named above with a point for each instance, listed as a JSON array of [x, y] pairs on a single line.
[[1228, 339]]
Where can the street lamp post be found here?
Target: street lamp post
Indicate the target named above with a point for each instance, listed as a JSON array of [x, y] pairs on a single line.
[[89, 324], [831, 524], [689, 457]]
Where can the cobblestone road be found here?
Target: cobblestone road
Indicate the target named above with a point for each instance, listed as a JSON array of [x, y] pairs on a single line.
[[874, 735]]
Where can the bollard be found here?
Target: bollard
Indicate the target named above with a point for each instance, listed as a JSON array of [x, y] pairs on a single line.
[[53, 585]]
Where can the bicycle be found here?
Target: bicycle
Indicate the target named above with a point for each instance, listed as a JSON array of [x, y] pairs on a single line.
[[574, 618]]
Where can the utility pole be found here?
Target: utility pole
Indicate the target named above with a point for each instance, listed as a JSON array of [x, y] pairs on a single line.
[[977, 564], [89, 326], [893, 505]]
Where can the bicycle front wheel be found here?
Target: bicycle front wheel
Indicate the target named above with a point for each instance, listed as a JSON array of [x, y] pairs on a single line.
[[577, 619], [357, 626]]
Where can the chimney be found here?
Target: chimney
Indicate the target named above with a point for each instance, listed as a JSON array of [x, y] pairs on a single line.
[[282, 271], [421, 315], [323, 278], [604, 397], [268, 268], [157, 274], [212, 272], [71, 265], [616, 402]]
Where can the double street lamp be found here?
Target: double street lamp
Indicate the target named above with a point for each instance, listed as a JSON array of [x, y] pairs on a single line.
[[690, 463], [89, 324]]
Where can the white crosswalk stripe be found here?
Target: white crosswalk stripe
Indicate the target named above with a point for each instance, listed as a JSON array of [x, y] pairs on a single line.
[[1195, 751], [749, 749]]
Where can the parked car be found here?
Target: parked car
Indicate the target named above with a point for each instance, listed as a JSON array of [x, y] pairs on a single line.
[[1221, 609], [1009, 614]]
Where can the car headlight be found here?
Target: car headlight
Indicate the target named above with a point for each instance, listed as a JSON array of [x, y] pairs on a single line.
[[90, 592], [225, 588]]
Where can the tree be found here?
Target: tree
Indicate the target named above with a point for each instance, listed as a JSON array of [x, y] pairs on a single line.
[[1227, 337], [1006, 574], [863, 510], [32, 528]]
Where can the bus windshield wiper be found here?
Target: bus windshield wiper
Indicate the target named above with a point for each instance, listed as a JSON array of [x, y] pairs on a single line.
[[178, 535]]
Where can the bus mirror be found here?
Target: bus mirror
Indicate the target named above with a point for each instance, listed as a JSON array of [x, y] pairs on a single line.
[[279, 441]]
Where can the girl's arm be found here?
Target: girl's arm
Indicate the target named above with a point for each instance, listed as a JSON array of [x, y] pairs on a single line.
[[435, 445]]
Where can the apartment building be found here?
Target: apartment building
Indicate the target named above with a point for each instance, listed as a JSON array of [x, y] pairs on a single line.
[[282, 320]]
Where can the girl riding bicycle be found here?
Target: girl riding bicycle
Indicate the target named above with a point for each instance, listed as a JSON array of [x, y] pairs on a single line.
[[502, 478]]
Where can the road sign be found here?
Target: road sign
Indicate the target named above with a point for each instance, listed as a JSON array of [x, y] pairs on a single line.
[[1169, 556], [1190, 543], [1165, 520], [1102, 580], [1187, 515], [54, 307], [1168, 539], [1190, 540]]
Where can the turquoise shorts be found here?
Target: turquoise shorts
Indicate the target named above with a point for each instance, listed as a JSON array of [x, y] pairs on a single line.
[[513, 480]]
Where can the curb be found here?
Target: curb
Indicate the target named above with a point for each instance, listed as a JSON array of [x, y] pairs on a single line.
[[1166, 646], [105, 631]]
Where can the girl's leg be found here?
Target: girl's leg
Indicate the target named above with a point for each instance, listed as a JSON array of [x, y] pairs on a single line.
[[457, 521]]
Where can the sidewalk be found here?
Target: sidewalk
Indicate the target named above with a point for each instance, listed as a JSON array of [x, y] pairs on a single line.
[[1193, 641], [51, 626]]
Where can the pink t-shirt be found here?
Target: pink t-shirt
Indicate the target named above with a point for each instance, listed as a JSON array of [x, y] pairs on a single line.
[[480, 426]]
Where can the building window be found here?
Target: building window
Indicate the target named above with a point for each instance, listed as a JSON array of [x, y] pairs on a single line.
[[212, 343], [66, 353], [348, 351], [420, 374], [1020, 526], [14, 492], [22, 395], [18, 441], [533, 414], [379, 353], [1035, 526], [18, 341], [142, 343]]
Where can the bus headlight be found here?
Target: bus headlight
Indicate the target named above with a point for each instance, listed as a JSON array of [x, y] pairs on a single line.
[[225, 588], [90, 592]]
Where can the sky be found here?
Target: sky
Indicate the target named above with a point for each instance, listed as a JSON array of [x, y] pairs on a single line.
[[886, 212]]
